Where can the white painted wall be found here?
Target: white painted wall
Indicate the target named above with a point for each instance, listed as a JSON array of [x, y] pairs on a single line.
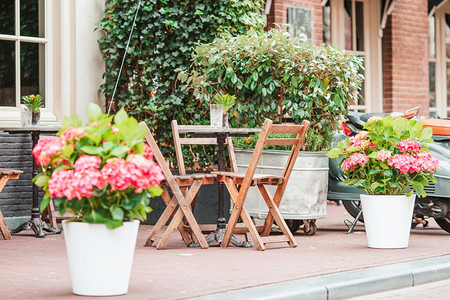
[[77, 63]]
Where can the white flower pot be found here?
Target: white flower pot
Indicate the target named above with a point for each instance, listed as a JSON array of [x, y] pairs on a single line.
[[387, 220], [100, 259]]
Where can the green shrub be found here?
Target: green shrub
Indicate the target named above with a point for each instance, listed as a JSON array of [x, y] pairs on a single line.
[[314, 141], [273, 76], [163, 40]]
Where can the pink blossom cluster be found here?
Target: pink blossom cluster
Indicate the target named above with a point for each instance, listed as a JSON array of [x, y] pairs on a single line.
[[422, 162], [144, 173], [148, 152], [45, 150], [75, 184], [73, 133], [354, 160], [116, 173], [360, 141], [409, 146], [383, 155], [120, 174]]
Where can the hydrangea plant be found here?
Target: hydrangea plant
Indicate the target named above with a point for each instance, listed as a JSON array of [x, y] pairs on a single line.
[[390, 157], [103, 171]]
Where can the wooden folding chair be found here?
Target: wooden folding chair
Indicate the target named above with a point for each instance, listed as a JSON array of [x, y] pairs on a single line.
[[191, 184], [238, 185], [5, 175]]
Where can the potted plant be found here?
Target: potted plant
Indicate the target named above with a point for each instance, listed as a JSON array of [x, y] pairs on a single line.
[[391, 162], [33, 104], [104, 174], [227, 102], [277, 77]]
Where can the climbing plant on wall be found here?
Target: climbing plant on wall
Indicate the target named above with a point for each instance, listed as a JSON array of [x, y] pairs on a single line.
[[163, 40]]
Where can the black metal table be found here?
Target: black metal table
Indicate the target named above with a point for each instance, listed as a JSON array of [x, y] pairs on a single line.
[[35, 222], [221, 134]]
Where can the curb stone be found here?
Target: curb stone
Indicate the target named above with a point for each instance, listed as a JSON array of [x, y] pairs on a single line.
[[348, 284]]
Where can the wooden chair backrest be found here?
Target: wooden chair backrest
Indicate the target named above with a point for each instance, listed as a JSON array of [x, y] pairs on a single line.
[[264, 140], [179, 141]]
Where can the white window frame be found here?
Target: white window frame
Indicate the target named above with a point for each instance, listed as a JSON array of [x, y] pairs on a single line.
[[10, 116], [373, 87], [441, 109]]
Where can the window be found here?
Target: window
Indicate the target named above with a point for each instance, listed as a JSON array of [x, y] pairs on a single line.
[[23, 47], [432, 63], [354, 25], [439, 62], [354, 37], [299, 21]]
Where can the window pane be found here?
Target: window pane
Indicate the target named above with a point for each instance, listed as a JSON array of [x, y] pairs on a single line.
[[32, 18], [431, 36], [448, 84], [7, 17], [299, 21], [327, 24], [31, 69], [361, 101], [7, 74], [432, 80], [359, 18], [348, 24], [447, 34]]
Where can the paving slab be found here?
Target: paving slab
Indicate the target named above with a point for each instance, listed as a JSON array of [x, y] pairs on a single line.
[[33, 268]]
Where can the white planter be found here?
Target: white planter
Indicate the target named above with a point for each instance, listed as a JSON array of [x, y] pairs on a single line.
[[387, 220], [305, 197], [100, 259]]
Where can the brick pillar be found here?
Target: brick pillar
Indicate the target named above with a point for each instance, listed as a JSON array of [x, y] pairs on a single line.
[[405, 57], [278, 15]]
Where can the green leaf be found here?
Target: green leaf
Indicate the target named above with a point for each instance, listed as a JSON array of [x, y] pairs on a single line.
[[41, 180], [120, 150], [92, 150], [94, 112], [155, 191], [117, 213], [45, 201], [335, 152], [294, 81], [121, 117]]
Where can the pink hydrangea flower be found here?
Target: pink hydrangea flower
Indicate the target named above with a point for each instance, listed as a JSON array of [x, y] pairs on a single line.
[[383, 154], [73, 133], [144, 173], [60, 184], [148, 152], [116, 174], [87, 162], [402, 162], [354, 160], [45, 150], [409, 146], [72, 184], [425, 162]]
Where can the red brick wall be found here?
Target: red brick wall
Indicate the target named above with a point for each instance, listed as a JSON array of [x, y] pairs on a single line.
[[278, 15], [405, 57]]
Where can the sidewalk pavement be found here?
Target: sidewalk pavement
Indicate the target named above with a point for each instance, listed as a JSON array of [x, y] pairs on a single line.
[[329, 265]]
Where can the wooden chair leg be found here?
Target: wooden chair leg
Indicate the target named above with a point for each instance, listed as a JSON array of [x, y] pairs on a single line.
[[187, 213], [276, 215], [4, 229], [239, 210], [50, 213], [171, 204]]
